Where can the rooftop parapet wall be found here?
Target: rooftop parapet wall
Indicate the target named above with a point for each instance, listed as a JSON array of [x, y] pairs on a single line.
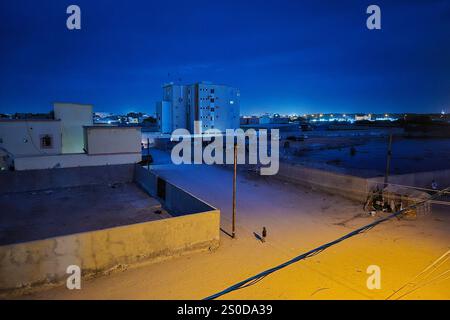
[[194, 226], [350, 187], [356, 188], [417, 179], [45, 261], [74, 160], [176, 200], [32, 180]]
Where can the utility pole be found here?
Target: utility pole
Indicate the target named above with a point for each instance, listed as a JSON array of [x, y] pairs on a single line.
[[148, 153], [233, 226], [388, 161]]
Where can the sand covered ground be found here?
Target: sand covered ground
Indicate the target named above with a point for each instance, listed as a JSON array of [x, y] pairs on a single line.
[[297, 220]]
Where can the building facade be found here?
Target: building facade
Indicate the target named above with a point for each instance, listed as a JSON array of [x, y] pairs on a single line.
[[216, 106], [73, 117], [31, 136], [68, 140]]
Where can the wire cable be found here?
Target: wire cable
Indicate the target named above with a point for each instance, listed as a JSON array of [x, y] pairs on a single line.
[[437, 263], [254, 279], [434, 280]]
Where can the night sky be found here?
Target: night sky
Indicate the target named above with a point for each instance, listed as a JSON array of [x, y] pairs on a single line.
[[285, 56]]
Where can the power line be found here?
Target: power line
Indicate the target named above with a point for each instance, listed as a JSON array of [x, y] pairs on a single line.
[[287, 253], [406, 186], [256, 278], [425, 273]]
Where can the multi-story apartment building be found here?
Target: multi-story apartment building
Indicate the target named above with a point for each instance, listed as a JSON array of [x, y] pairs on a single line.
[[216, 106]]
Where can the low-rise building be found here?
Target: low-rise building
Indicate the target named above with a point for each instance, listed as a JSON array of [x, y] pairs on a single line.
[[68, 140], [245, 120], [363, 117], [265, 119], [31, 137]]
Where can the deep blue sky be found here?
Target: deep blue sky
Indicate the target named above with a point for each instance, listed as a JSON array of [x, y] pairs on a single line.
[[285, 56]]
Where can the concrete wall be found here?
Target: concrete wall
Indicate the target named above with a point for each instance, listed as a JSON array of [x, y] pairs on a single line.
[[46, 261], [195, 225], [73, 117], [23, 137], [74, 160], [110, 140], [350, 187], [31, 180], [177, 201], [418, 179], [356, 188], [164, 116]]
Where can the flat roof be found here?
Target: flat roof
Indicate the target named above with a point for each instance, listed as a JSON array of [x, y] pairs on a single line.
[[112, 127], [28, 120], [36, 215], [204, 83], [73, 103]]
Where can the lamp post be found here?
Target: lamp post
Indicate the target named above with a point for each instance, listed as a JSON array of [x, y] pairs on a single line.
[[388, 161], [233, 226], [148, 153]]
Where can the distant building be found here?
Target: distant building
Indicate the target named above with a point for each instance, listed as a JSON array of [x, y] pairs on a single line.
[[101, 115], [246, 120], [384, 117], [131, 120], [280, 119], [112, 120], [216, 106], [265, 119], [362, 117]]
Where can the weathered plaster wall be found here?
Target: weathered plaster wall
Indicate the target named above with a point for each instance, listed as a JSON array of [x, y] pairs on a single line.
[[45, 261], [73, 117], [23, 137], [195, 225], [418, 179], [177, 201], [31, 180], [350, 187], [356, 188], [74, 160], [112, 140]]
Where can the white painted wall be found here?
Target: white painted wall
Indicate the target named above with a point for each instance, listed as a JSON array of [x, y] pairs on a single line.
[[217, 106], [23, 137], [73, 160], [164, 114], [73, 117], [111, 140]]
